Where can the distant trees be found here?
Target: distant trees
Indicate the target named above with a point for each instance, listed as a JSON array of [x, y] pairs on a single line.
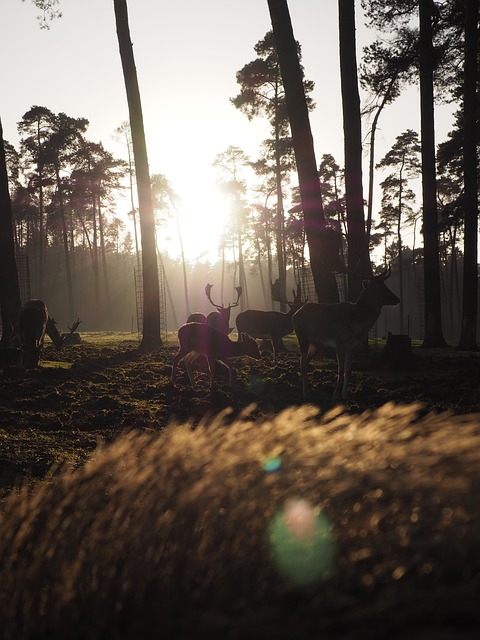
[[404, 164], [262, 93]]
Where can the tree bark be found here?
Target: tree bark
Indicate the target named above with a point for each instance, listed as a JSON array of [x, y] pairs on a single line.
[[433, 319], [358, 254], [9, 290], [468, 337], [151, 295], [319, 244]]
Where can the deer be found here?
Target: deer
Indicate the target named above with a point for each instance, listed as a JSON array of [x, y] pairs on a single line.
[[33, 323], [197, 338], [220, 319], [270, 325], [343, 326], [197, 316]]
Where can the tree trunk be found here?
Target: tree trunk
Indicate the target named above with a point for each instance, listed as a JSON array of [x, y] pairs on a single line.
[[433, 318], [151, 295], [358, 255], [63, 220], [468, 336], [9, 290], [319, 244]]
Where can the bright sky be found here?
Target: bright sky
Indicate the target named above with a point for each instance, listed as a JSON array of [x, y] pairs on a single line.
[[187, 54]]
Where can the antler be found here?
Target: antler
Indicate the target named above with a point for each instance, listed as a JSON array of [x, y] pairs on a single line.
[[239, 291], [75, 325], [208, 290]]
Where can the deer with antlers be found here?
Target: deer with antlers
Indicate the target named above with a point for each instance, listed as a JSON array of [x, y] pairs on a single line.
[[270, 325], [33, 323], [197, 338], [220, 319], [343, 326]]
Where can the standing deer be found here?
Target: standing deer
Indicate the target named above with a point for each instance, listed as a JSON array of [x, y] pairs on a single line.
[[343, 326], [197, 338], [33, 322], [220, 319], [270, 325]]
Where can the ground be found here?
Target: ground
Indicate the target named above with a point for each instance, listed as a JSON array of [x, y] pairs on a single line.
[[93, 391], [402, 492]]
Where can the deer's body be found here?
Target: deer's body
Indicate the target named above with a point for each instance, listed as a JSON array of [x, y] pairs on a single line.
[[201, 339], [32, 325], [343, 326], [267, 325], [270, 325]]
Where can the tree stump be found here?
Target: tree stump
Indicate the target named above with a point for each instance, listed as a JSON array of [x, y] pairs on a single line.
[[396, 355]]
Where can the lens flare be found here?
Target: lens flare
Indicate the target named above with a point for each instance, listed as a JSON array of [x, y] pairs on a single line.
[[272, 464], [302, 543]]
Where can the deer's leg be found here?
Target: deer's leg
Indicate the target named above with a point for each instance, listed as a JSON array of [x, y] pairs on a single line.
[[211, 368], [340, 374], [348, 369], [176, 360], [189, 360], [275, 351], [307, 353]]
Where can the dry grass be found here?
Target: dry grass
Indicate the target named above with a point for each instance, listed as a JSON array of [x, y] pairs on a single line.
[[175, 534]]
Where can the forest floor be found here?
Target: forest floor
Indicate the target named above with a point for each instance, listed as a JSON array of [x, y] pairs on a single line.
[[89, 394], [93, 391]]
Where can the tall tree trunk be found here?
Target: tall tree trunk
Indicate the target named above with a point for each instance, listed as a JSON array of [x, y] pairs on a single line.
[[66, 253], [358, 255], [96, 275], [433, 317], [322, 256], [468, 336], [151, 294], [280, 221], [371, 166], [9, 290], [107, 306]]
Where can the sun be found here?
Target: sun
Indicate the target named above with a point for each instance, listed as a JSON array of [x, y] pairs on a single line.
[[200, 220]]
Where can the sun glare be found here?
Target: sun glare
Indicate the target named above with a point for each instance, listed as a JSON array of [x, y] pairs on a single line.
[[202, 214]]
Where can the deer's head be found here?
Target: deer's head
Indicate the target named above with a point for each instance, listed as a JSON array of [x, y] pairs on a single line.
[[220, 318]]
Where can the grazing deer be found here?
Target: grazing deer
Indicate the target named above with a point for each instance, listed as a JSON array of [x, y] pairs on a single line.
[[197, 338], [220, 319], [270, 325], [32, 324], [343, 326]]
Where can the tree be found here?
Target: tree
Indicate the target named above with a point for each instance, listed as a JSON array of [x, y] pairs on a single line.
[[358, 255], [151, 293], [383, 70], [323, 252], [231, 163], [9, 289], [468, 337], [398, 16], [433, 316], [403, 160], [35, 127], [262, 92]]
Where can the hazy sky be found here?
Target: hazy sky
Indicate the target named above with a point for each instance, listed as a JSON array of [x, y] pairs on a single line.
[[187, 53]]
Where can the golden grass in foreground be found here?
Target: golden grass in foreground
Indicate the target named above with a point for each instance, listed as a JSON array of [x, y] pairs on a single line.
[[299, 526]]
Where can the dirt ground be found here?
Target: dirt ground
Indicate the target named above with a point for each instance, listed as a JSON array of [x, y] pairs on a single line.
[[408, 552], [93, 391]]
